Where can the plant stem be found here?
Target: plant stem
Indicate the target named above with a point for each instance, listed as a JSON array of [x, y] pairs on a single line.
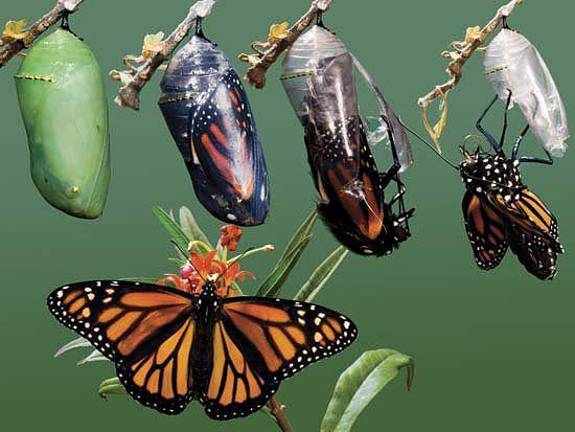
[[267, 54], [8, 51], [464, 53], [278, 411], [134, 78]]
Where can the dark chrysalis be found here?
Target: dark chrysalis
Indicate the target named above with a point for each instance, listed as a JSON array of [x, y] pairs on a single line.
[[318, 76], [209, 116], [501, 212]]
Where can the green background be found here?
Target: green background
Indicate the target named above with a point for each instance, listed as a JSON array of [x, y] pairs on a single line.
[[493, 351]]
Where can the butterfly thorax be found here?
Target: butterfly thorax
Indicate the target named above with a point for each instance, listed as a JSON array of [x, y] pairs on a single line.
[[486, 174], [207, 310]]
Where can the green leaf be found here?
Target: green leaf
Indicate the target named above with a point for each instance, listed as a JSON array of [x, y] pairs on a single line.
[[302, 232], [75, 344], [94, 356], [321, 275], [111, 386], [272, 285], [172, 228], [191, 228], [360, 383]]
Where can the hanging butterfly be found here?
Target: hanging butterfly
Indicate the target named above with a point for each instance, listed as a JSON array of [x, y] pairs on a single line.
[[207, 111], [500, 212], [171, 346], [318, 76]]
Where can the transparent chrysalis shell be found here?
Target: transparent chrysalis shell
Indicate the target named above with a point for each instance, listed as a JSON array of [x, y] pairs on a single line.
[[513, 63], [319, 79]]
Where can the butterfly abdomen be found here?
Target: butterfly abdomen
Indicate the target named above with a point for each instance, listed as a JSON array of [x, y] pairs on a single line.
[[64, 108], [209, 117]]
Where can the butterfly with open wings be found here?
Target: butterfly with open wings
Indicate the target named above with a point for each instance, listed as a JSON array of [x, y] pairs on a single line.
[[171, 346]]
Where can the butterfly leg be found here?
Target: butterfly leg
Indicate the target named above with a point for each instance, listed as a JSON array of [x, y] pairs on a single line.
[[404, 217], [492, 141], [505, 121], [391, 175], [529, 159]]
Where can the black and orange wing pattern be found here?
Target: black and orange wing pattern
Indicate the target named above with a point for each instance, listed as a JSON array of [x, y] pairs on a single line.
[[259, 342], [227, 155], [526, 210], [537, 253], [146, 330], [486, 231], [533, 232]]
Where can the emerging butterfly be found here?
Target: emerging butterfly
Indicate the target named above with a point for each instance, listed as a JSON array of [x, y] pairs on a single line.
[[501, 212], [171, 346], [319, 79]]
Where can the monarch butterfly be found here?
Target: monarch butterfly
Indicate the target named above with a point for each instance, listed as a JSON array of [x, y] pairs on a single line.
[[170, 347], [207, 111], [319, 80], [65, 112], [500, 212]]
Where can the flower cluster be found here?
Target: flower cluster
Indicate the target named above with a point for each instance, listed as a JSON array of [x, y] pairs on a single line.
[[199, 267]]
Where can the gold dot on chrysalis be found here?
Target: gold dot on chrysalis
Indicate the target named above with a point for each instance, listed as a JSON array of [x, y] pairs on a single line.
[[72, 192]]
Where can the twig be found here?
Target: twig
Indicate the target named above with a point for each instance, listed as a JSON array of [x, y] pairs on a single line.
[[134, 78], [277, 410], [266, 54], [13, 47], [462, 52]]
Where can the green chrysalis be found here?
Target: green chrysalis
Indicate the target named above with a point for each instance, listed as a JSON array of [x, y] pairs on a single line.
[[64, 107]]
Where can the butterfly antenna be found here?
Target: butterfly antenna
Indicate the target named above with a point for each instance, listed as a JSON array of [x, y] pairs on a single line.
[[178, 248], [431, 147], [185, 254]]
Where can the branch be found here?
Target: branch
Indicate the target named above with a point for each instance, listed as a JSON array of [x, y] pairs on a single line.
[[13, 45], [277, 411], [462, 52], [154, 54], [266, 54]]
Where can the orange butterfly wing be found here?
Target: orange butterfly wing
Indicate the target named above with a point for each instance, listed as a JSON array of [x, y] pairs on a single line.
[[533, 232], [486, 231], [146, 330], [259, 342]]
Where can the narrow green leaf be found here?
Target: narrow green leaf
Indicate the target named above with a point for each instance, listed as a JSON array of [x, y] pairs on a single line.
[[191, 228], [94, 356], [302, 232], [111, 386], [272, 285], [172, 228], [75, 344], [321, 275], [359, 384], [178, 261]]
